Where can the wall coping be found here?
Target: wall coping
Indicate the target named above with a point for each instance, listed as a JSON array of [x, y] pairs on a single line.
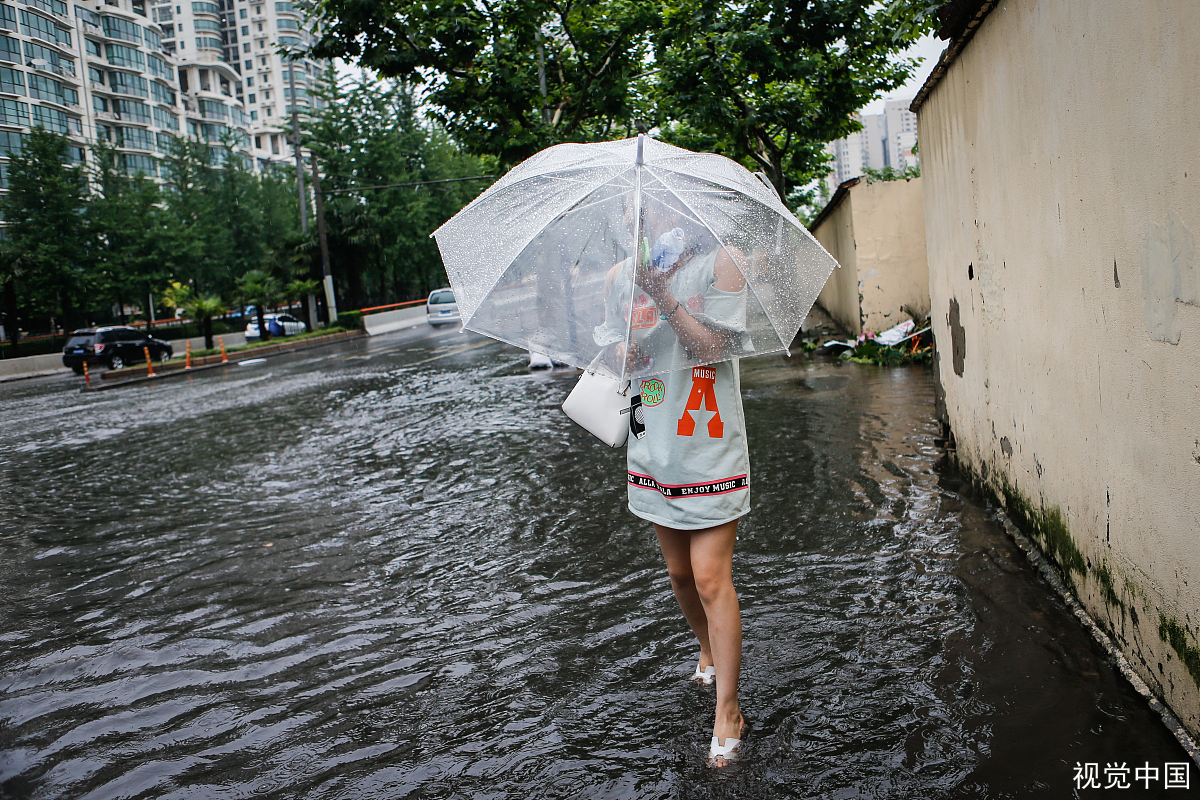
[[960, 20]]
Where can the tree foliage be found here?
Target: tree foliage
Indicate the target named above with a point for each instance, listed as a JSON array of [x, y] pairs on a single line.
[[766, 82], [371, 135]]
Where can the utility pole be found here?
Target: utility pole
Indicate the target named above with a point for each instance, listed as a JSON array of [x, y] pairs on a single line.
[[296, 145], [312, 301], [330, 299]]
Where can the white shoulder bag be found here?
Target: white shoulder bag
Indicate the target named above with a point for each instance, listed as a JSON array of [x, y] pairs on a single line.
[[599, 405]]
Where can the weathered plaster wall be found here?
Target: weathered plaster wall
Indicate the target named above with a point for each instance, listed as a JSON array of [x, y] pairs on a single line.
[[1062, 205], [840, 295], [877, 234]]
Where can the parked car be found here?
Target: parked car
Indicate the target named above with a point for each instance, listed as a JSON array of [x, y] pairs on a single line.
[[277, 325], [112, 346], [441, 308]]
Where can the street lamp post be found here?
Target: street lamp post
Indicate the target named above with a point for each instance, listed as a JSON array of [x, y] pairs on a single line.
[[312, 304], [330, 299]]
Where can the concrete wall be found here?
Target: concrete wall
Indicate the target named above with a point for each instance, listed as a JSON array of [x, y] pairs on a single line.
[[1062, 205], [876, 231]]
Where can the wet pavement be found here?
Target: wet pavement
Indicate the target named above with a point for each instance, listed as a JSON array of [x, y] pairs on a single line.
[[392, 568]]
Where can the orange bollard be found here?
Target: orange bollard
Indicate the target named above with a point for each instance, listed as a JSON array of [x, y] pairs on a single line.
[[224, 358], [149, 365], [187, 362], [87, 379]]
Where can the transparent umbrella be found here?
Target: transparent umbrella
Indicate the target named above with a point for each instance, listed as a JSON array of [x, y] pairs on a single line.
[[555, 257]]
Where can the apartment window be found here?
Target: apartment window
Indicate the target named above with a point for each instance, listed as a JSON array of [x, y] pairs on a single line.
[[14, 113], [206, 8], [11, 142], [8, 17], [162, 94], [246, 49], [163, 14], [252, 98], [250, 63], [285, 8], [260, 27], [208, 44], [204, 85], [93, 48], [12, 81], [241, 13], [165, 119], [275, 143], [53, 6], [99, 104], [57, 63], [263, 59], [136, 138], [266, 95], [287, 25], [10, 49], [267, 112], [95, 75], [121, 56], [253, 115], [153, 40], [159, 68], [135, 163], [45, 89], [49, 118], [249, 81], [122, 29], [87, 15], [212, 108], [200, 25], [124, 83], [132, 110], [165, 142], [289, 41], [41, 28]]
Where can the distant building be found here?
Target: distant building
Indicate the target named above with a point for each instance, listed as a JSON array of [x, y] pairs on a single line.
[[232, 73], [886, 139]]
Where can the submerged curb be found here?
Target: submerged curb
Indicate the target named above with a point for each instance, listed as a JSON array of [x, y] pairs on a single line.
[[1114, 653], [139, 375]]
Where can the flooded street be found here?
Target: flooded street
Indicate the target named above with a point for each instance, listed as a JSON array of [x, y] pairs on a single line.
[[392, 568]]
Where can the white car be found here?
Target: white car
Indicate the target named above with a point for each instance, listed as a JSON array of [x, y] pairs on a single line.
[[442, 308], [277, 325]]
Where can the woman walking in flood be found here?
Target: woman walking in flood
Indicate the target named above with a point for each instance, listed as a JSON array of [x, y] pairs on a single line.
[[688, 473]]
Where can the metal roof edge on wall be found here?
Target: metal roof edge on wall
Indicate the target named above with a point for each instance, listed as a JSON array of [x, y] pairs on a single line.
[[960, 20], [842, 191]]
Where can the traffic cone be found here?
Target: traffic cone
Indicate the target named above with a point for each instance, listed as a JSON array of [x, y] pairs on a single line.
[[187, 361], [87, 379], [224, 358]]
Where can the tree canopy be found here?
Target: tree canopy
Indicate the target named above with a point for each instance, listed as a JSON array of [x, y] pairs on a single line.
[[765, 82]]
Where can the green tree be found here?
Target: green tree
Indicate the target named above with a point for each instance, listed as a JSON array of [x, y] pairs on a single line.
[[46, 229], [203, 308], [371, 135], [766, 82], [261, 289], [125, 216]]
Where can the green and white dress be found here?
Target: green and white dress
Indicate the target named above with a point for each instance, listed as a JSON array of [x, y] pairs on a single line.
[[691, 469]]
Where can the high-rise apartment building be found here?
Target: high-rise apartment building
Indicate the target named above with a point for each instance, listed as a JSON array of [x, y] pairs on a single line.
[[886, 139], [237, 49]]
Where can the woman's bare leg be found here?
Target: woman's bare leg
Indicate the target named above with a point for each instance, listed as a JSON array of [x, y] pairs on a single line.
[[706, 576], [676, 548]]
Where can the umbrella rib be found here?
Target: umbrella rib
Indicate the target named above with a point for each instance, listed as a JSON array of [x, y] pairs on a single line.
[[749, 284]]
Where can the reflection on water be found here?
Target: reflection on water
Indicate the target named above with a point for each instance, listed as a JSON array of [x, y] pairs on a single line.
[[394, 569]]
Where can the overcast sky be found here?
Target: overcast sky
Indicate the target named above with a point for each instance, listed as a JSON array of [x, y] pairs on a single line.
[[928, 48]]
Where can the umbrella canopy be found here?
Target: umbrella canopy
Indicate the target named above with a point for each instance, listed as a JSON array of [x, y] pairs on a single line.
[[551, 257]]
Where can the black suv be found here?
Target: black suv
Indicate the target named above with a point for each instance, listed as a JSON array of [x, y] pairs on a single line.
[[113, 347]]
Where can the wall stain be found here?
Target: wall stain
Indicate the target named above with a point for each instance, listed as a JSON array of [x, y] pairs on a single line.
[[1006, 446], [1171, 632], [958, 338]]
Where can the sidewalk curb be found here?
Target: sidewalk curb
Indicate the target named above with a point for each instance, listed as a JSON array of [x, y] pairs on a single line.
[[1115, 655]]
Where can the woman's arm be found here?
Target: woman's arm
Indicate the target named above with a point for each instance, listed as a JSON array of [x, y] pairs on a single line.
[[703, 341]]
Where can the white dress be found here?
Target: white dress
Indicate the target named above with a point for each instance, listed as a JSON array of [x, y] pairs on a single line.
[[691, 469]]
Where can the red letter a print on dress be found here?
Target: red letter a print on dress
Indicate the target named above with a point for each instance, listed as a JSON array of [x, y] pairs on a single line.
[[703, 391]]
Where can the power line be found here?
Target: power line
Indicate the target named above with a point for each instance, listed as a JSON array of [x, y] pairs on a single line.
[[400, 185]]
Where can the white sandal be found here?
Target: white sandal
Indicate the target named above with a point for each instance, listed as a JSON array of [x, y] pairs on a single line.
[[727, 752], [705, 676]]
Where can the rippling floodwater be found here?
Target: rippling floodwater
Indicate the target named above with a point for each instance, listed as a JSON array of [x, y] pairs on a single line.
[[394, 569]]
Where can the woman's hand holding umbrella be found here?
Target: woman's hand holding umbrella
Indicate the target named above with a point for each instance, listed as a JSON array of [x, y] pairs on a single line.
[[702, 341]]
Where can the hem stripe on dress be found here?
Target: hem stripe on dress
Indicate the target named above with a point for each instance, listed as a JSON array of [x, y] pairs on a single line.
[[723, 486]]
